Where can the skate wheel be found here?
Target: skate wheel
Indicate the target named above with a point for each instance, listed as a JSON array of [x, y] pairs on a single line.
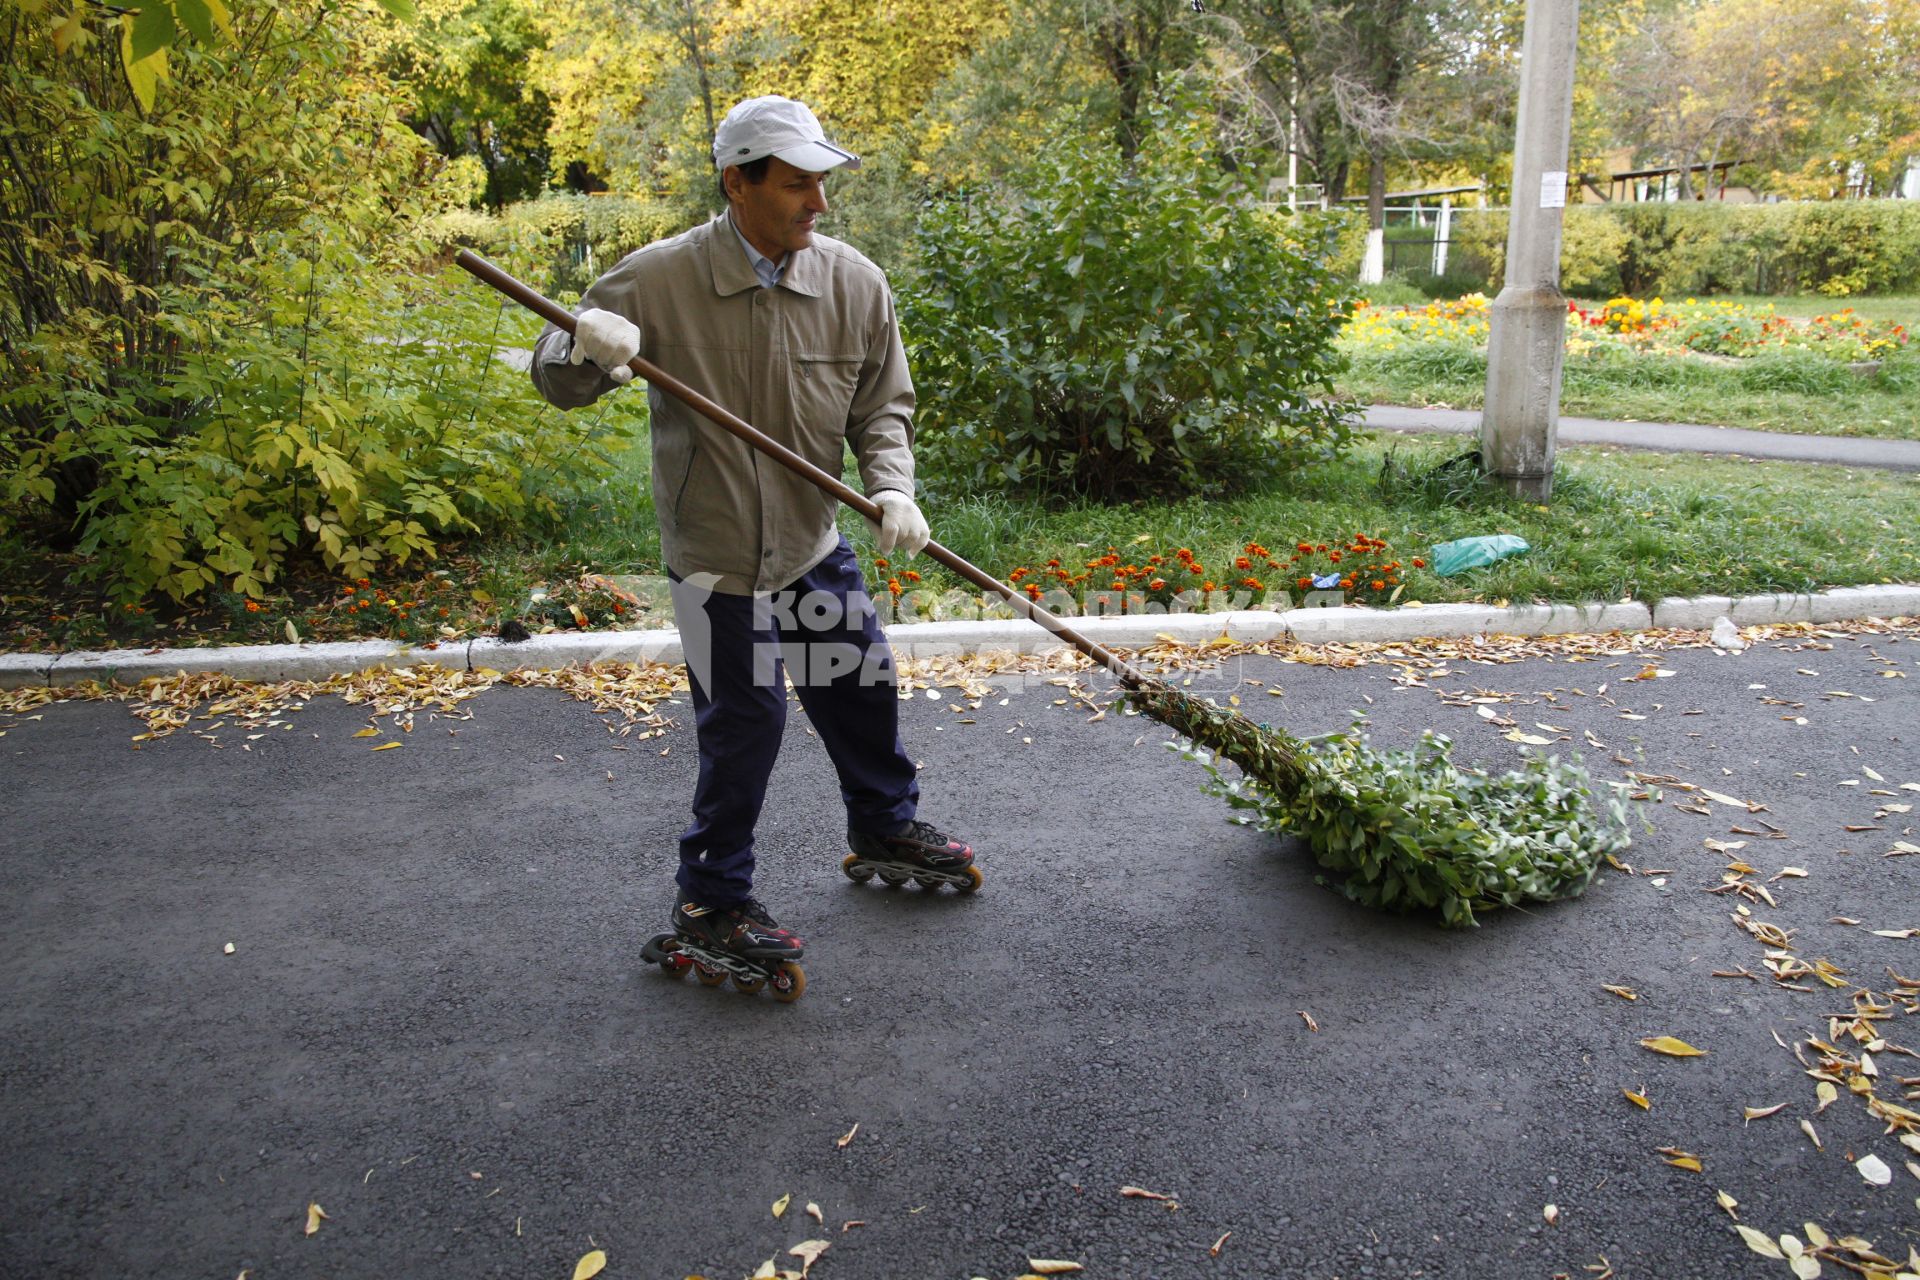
[[927, 881], [857, 871], [748, 986], [708, 977], [789, 981], [894, 877], [973, 881]]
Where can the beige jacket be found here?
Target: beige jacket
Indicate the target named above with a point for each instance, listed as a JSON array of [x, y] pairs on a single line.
[[815, 362]]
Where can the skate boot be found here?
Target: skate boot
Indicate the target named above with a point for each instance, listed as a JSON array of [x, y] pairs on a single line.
[[742, 942], [917, 852]]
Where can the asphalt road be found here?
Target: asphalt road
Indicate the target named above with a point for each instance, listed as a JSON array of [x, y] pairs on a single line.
[[435, 1024], [1671, 437]]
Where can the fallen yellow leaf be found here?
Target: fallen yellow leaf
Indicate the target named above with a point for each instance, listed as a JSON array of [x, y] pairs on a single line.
[[1672, 1047], [1638, 1099], [808, 1251], [1625, 993], [780, 1205], [368, 733], [387, 746], [847, 1136], [590, 1265], [1761, 1113], [1052, 1267], [315, 1215], [1759, 1242]]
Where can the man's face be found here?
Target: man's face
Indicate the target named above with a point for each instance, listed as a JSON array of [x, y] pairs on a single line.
[[777, 214]]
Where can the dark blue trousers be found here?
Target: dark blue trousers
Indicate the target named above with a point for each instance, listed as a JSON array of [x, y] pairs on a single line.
[[822, 630]]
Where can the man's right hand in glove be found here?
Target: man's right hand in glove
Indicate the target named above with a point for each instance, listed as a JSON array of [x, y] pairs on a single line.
[[608, 340]]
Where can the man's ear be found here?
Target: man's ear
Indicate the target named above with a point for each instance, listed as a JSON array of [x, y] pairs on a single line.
[[730, 179]]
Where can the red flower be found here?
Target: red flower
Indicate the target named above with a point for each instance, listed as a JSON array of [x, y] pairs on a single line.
[[1158, 584], [1418, 563], [1303, 583], [1241, 562], [1378, 585]]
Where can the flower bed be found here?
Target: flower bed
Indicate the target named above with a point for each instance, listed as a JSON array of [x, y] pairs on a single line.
[[1650, 326], [1177, 580]]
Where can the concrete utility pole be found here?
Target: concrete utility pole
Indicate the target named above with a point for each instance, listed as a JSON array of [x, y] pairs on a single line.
[[1528, 339]]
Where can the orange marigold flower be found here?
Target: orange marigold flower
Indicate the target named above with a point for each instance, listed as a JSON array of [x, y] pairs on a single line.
[[1196, 570], [1303, 583], [1208, 586], [911, 575], [1033, 591], [1251, 584], [1347, 583], [1334, 556], [1303, 547], [1378, 585], [1241, 562], [1418, 563], [1158, 584], [893, 585], [1119, 584]]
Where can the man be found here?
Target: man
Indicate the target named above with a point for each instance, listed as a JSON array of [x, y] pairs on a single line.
[[796, 333]]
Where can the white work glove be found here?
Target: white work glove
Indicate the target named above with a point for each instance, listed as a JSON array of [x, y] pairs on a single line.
[[901, 524], [608, 340]]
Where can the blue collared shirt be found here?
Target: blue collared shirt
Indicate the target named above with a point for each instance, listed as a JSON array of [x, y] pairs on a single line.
[[768, 271]]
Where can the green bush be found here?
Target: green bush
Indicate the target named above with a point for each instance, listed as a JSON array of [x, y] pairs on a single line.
[[561, 242], [1845, 248], [210, 364], [1116, 329], [363, 421], [1838, 248]]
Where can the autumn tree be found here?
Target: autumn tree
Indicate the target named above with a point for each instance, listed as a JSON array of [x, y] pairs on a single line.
[[1804, 90], [465, 62]]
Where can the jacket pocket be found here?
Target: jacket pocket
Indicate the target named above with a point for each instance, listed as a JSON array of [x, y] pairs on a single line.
[[823, 390]]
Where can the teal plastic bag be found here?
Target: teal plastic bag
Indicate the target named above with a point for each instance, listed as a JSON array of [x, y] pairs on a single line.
[[1463, 554]]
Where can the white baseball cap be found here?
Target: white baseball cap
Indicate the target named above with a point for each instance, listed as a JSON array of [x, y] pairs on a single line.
[[776, 126]]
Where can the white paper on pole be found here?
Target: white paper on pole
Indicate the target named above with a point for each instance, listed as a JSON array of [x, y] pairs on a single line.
[[1553, 190]]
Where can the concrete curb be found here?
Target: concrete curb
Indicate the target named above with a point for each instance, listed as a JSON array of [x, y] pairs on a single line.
[[937, 639]]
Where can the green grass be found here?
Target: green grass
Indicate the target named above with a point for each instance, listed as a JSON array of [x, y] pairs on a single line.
[[1621, 525], [1790, 392]]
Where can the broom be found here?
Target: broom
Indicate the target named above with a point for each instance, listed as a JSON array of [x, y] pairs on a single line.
[[1401, 841]]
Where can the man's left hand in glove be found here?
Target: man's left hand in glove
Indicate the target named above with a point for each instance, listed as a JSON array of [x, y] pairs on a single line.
[[901, 525]]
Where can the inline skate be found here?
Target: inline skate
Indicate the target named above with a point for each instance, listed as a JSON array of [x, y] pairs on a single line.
[[918, 852], [742, 942]]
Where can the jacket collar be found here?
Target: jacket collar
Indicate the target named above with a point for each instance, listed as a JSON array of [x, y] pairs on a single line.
[[732, 273]]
